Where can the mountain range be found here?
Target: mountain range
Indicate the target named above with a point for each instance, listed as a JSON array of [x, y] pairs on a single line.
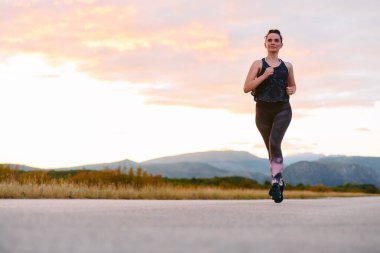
[[305, 168]]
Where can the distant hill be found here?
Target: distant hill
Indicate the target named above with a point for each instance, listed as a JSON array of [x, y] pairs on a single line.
[[233, 161], [370, 162], [185, 170], [198, 170], [304, 168], [302, 157], [210, 164], [101, 166], [20, 167], [330, 173]]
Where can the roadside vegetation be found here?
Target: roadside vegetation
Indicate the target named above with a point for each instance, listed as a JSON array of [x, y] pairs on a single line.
[[123, 183]]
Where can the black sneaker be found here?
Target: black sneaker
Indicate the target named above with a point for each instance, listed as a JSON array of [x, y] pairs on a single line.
[[276, 193], [282, 188], [277, 190]]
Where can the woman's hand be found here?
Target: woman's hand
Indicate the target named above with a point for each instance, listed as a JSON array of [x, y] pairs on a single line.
[[291, 90], [268, 72]]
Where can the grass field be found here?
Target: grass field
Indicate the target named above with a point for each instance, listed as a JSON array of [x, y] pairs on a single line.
[[131, 184], [75, 191]]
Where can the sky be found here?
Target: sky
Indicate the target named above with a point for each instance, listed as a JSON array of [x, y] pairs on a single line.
[[85, 82]]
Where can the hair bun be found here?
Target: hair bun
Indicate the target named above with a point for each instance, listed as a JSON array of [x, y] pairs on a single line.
[[274, 31]]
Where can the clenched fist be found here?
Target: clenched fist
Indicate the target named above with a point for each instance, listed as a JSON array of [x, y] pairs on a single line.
[[268, 72], [291, 90]]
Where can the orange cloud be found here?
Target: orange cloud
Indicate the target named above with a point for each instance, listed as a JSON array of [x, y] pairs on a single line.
[[202, 57], [362, 129]]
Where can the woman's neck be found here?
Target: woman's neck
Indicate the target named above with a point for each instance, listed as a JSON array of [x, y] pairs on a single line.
[[272, 57]]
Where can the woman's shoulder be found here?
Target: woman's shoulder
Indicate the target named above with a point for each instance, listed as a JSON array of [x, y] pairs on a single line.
[[287, 64], [258, 63]]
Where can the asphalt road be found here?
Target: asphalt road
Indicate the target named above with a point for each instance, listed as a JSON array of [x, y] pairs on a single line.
[[322, 225]]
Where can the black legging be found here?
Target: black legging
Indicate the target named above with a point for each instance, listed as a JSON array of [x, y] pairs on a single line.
[[272, 120]]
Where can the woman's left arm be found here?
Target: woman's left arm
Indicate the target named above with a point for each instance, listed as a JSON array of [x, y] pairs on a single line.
[[291, 89]]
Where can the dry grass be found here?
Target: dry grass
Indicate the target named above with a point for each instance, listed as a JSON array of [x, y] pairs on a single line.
[[67, 191]]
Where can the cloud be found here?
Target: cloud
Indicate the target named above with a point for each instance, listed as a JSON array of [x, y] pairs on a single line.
[[199, 56], [362, 129]]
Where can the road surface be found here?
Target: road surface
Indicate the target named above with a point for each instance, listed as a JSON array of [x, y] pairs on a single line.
[[321, 225]]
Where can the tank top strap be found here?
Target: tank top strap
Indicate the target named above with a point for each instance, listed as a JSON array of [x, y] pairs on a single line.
[[264, 65], [282, 63], [264, 62]]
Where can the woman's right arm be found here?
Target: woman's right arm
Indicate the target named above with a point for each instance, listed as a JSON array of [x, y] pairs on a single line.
[[252, 81]]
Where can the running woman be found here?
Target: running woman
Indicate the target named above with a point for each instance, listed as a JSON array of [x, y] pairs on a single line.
[[271, 82]]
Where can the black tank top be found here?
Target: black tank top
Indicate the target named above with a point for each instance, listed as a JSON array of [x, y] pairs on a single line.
[[273, 89]]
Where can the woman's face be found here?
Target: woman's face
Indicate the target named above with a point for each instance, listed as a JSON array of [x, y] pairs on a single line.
[[273, 42]]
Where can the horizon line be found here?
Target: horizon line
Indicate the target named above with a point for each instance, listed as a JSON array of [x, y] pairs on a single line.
[[167, 156]]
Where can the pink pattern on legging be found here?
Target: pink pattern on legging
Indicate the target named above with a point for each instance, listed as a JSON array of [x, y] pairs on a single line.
[[275, 168]]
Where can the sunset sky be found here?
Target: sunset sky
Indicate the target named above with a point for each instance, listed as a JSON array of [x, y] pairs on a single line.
[[101, 81]]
